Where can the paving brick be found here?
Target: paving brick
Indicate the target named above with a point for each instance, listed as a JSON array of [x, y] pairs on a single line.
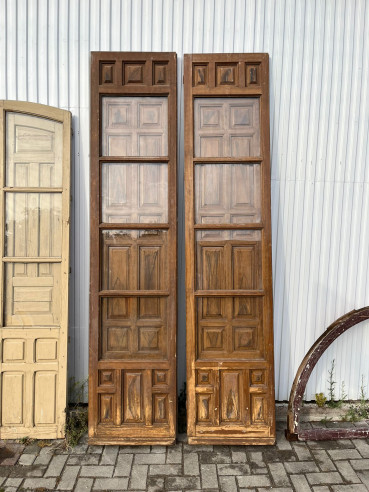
[[13, 482], [234, 469], [360, 464], [109, 455], [362, 446], [138, 477], [279, 489], [83, 459], [347, 472], [44, 456], [84, 485], [301, 467], [174, 454], [56, 466], [227, 484], [11, 489], [344, 454], [209, 479], [180, 483], [300, 483], [95, 449], [105, 471], [165, 470], [158, 449], [68, 478], [123, 465], [38, 483], [258, 466], [254, 481], [323, 478], [32, 449], [302, 451], [155, 484], [26, 459], [191, 464], [279, 474], [282, 442], [149, 459], [211, 457], [337, 444], [364, 477], [80, 449], [321, 488], [238, 457], [323, 460], [134, 449], [273, 455], [349, 488], [189, 448], [111, 484]]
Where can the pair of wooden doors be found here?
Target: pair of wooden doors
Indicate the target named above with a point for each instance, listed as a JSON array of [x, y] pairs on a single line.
[[133, 311]]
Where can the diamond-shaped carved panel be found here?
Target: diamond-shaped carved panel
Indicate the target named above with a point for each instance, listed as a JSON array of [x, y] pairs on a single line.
[[200, 75], [133, 73], [227, 74], [107, 73], [252, 75], [160, 73]]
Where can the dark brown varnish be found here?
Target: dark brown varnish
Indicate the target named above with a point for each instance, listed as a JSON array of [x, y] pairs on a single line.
[[133, 284], [230, 376]]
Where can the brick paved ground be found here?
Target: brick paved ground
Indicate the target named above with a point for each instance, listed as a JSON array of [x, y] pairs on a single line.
[[335, 466]]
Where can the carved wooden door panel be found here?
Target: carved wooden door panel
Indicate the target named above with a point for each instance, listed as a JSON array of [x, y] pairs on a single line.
[[132, 391], [230, 381], [35, 197]]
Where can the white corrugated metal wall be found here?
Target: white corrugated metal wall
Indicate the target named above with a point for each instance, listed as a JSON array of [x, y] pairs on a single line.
[[319, 111]]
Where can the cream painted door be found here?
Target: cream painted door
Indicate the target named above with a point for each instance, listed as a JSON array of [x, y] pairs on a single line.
[[35, 197]]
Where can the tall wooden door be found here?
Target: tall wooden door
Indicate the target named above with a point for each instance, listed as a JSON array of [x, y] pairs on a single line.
[[35, 197], [132, 391], [228, 250]]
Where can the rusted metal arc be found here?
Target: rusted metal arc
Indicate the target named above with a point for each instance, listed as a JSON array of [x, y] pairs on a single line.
[[306, 367]]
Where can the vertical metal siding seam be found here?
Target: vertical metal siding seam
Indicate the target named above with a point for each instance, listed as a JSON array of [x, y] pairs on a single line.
[[278, 329], [299, 239]]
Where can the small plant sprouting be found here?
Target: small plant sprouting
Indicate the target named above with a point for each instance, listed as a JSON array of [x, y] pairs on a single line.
[[359, 411], [26, 440], [332, 402], [331, 385], [76, 423], [320, 399]]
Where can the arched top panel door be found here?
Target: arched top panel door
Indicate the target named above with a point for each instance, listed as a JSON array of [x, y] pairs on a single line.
[[34, 245]]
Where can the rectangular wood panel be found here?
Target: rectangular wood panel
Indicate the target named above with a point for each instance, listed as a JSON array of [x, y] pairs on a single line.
[[230, 378], [132, 391], [35, 198]]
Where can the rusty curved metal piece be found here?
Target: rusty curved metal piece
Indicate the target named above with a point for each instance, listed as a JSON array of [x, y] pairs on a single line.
[[293, 433]]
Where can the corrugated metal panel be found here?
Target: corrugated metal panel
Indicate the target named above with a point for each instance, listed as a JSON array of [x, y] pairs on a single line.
[[319, 105]]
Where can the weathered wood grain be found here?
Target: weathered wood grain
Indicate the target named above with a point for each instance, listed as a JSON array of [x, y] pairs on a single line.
[[230, 377]]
